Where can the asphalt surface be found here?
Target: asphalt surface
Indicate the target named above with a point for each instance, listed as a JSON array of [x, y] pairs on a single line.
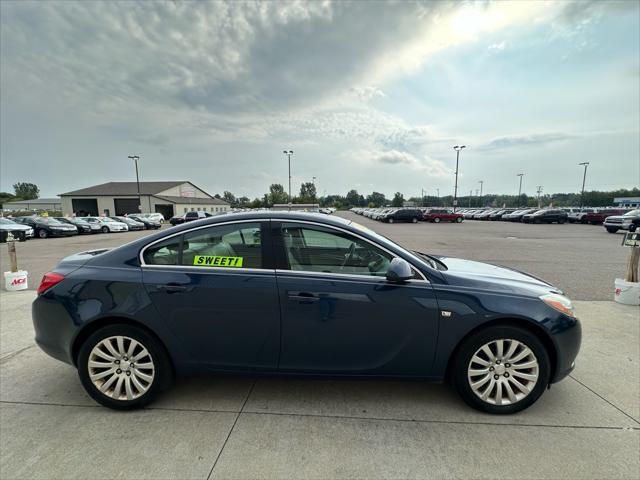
[[585, 427], [582, 260]]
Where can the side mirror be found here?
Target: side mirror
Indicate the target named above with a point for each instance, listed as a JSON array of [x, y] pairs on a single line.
[[399, 271]]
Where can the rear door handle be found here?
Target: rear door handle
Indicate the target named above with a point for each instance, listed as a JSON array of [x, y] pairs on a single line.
[[172, 287], [303, 297]]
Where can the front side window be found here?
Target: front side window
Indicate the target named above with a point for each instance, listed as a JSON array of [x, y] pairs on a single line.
[[231, 246], [318, 249], [164, 253]]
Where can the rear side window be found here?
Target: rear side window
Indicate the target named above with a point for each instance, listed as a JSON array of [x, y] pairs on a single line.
[[163, 253], [230, 246]]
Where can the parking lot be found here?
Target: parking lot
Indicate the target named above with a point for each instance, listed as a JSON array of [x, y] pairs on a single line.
[[587, 426], [583, 260]]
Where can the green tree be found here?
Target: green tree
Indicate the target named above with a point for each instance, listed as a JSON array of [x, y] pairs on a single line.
[[377, 199], [398, 200], [277, 194], [354, 199], [26, 191], [6, 197], [307, 193], [244, 201], [230, 198]]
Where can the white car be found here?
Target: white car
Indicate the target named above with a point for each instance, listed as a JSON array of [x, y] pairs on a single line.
[[107, 225], [16, 229], [156, 217]]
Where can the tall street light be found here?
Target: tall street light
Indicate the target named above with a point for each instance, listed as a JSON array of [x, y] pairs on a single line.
[[135, 158], [481, 182], [520, 187], [584, 179], [288, 154], [457, 148]]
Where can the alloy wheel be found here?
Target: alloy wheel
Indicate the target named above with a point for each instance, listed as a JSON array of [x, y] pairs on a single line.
[[503, 372], [121, 368]]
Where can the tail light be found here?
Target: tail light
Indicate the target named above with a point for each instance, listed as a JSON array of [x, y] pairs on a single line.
[[49, 280]]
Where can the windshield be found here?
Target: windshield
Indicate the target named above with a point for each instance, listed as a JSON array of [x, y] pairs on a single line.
[[633, 213], [4, 221]]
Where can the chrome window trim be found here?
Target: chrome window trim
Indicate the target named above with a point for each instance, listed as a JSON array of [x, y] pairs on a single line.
[[424, 279], [212, 269], [261, 220], [347, 276]]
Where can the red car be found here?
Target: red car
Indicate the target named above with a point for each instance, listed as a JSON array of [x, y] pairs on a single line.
[[597, 217], [438, 215]]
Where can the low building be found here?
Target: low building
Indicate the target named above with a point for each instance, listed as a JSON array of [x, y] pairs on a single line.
[[120, 198], [37, 204], [627, 202]]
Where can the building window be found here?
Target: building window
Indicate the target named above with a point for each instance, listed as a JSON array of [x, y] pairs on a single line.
[[193, 209], [186, 209]]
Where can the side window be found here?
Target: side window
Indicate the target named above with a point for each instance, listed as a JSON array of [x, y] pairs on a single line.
[[163, 253], [317, 249], [232, 246]]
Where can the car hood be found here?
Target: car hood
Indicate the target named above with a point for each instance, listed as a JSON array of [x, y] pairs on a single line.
[[17, 226], [469, 273]]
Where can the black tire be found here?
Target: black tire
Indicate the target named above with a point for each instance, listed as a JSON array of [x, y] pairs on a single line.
[[459, 220], [390, 220], [436, 220], [414, 220], [105, 229], [163, 371], [471, 345], [612, 230], [632, 228], [42, 233]]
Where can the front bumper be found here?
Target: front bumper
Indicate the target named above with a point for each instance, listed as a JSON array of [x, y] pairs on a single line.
[[567, 339], [619, 226]]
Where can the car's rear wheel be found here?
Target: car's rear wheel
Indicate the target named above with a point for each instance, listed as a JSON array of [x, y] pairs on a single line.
[[502, 369], [612, 230], [390, 220], [42, 233], [105, 229], [414, 220], [436, 220], [123, 367]]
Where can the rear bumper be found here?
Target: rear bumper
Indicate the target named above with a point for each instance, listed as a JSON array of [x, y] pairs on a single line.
[[54, 328]]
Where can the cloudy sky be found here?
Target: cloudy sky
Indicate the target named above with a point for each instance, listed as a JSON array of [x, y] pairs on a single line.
[[369, 95]]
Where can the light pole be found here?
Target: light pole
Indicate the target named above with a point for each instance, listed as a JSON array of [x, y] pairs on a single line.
[[457, 148], [288, 154], [584, 179], [135, 158], [520, 187], [481, 182], [470, 195], [539, 192]]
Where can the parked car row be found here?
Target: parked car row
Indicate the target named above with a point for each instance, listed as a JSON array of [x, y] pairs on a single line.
[[390, 214], [527, 215], [43, 227]]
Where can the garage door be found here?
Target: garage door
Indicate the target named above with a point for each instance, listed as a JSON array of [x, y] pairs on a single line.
[[126, 205], [83, 207]]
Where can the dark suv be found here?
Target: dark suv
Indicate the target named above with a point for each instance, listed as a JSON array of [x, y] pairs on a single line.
[[403, 215], [188, 217], [547, 215]]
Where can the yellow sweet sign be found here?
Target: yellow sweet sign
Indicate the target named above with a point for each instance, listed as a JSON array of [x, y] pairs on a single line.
[[217, 261]]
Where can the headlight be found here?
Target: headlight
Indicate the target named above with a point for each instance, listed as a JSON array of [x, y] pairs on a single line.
[[559, 303]]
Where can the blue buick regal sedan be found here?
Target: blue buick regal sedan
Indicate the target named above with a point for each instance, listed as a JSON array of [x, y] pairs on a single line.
[[282, 293]]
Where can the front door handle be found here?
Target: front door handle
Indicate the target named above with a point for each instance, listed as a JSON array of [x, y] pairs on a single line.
[[303, 297], [172, 287]]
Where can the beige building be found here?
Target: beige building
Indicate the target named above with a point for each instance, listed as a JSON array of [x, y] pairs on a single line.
[[120, 198]]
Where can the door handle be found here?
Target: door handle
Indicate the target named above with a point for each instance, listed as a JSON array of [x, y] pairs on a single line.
[[172, 287], [303, 297]]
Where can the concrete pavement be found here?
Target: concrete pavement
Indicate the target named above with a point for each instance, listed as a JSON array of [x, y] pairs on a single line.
[[587, 426]]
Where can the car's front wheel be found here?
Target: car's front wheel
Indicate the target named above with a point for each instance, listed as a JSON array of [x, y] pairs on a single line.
[[436, 220], [42, 233], [105, 229], [459, 220], [501, 369], [123, 367]]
